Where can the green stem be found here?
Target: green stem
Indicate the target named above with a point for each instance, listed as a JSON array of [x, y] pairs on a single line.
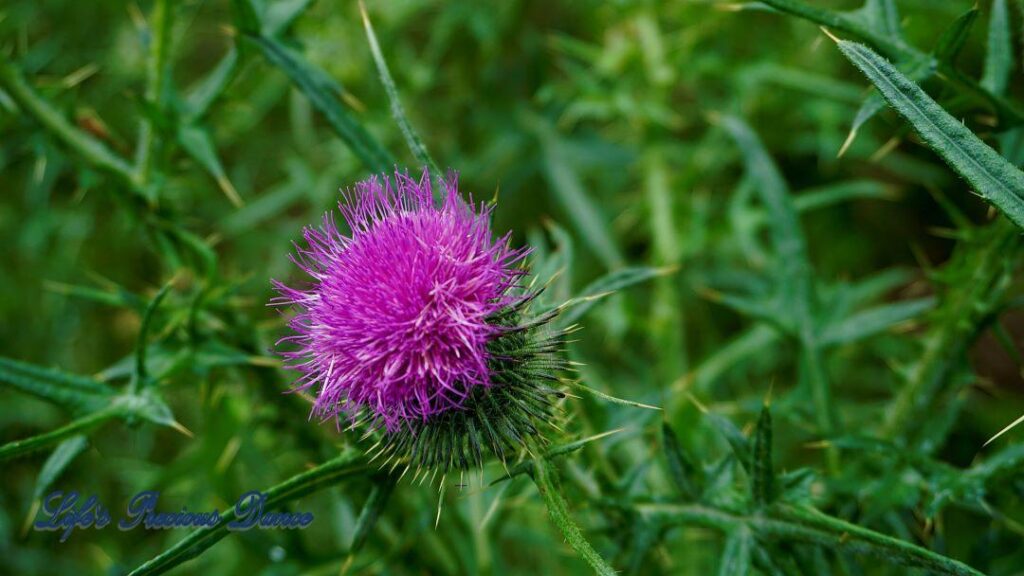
[[139, 377], [550, 490], [842, 23], [809, 525], [965, 306], [798, 524], [323, 476], [412, 138], [157, 71], [666, 309], [21, 447], [821, 397]]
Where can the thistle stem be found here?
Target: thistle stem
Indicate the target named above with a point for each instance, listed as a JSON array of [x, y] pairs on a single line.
[[157, 70], [550, 490], [799, 524], [966, 306]]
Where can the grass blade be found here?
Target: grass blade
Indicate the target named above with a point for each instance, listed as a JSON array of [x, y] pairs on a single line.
[[610, 398], [158, 75], [882, 16], [810, 525]]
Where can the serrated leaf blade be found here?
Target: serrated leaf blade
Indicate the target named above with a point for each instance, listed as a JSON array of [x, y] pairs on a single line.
[[995, 179]]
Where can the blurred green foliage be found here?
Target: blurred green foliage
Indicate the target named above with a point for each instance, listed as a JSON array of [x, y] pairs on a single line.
[[158, 158]]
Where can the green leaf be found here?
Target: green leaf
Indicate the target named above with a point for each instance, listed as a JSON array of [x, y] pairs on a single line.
[[734, 436], [113, 295], [999, 50], [526, 466], [894, 47], [61, 457], [412, 138], [794, 277], [604, 286], [874, 320], [882, 16], [75, 428], [280, 14], [77, 393], [148, 406], [859, 25], [89, 148], [380, 493], [919, 69], [763, 469], [737, 554], [952, 40], [323, 92], [685, 474], [832, 194], [203, 94], [584, 213], [197, 143], [139, 377], [609, 398], [876, 285], [551, 492], [754, 307], [247, 17], [792, 265], [995, 179]]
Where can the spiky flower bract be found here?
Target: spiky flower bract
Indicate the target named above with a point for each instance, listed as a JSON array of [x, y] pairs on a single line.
[[414, 326]]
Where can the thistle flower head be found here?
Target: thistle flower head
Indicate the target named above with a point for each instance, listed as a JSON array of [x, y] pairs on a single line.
[[413, 323], [396, 320]]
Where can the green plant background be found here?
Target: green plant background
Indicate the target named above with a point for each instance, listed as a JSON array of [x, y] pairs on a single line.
[[682, 153]]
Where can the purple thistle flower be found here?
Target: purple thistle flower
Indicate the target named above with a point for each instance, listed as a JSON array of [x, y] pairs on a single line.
[[395, 322]]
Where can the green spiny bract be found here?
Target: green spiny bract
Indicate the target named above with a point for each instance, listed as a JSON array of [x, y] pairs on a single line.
[[501, 420]]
